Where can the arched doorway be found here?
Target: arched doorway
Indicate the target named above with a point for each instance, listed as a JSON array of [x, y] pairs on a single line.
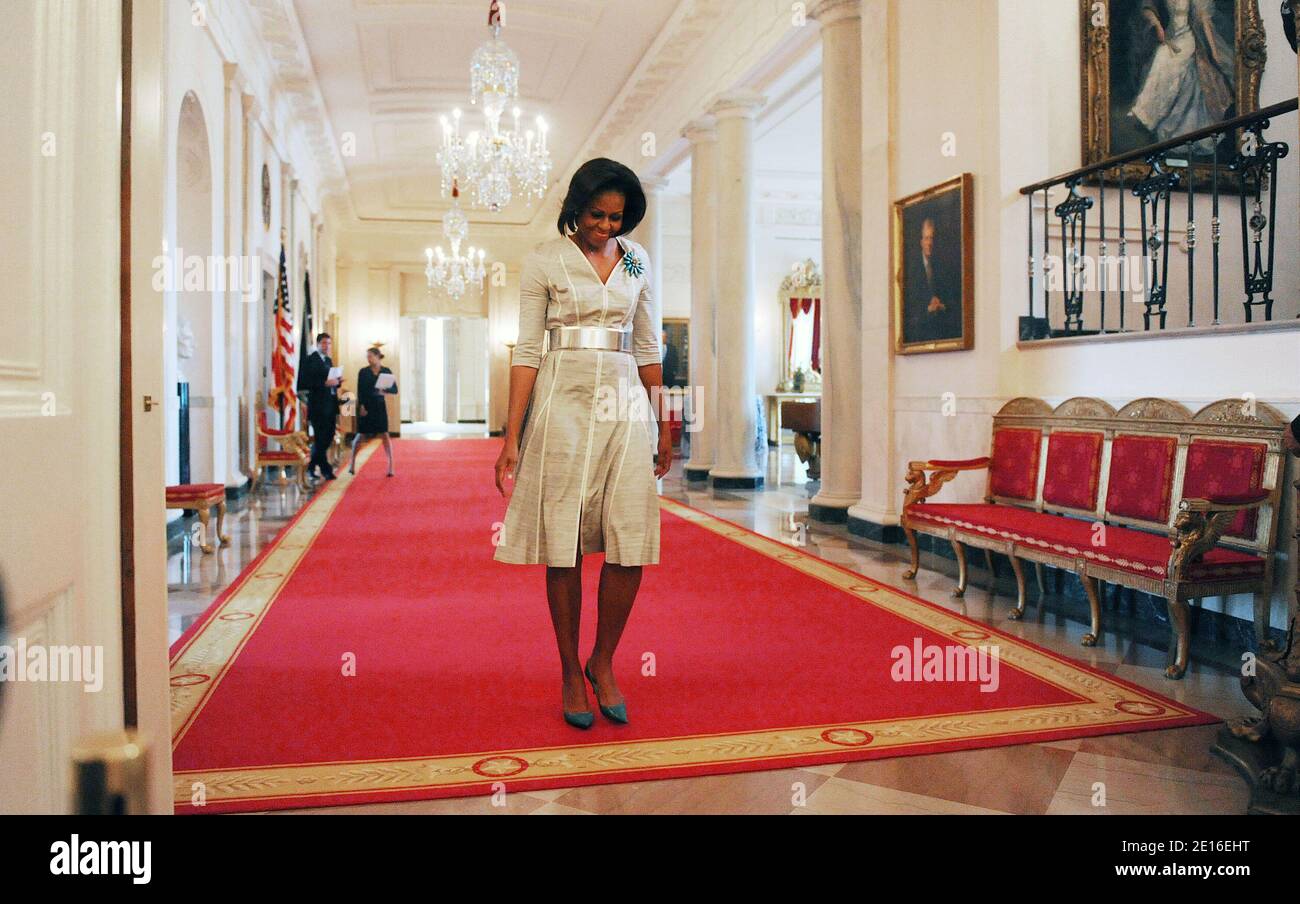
[[190, 433]]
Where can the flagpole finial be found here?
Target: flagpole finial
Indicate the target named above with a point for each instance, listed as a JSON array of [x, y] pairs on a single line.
[[284, 235]]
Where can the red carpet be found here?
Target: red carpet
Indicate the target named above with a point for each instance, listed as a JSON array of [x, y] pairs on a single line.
[[376, 652]]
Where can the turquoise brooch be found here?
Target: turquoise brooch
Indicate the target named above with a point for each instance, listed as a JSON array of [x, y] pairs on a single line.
[[632, 265]]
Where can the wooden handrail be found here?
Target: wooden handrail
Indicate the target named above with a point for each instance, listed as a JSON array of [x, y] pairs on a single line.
[[1286, 106]]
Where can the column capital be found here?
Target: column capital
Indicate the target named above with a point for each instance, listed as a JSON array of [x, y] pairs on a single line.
[[833, 12], [736, 104], [701, 130], [252, 106]]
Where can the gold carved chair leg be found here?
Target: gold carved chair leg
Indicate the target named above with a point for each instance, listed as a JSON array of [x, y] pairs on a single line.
[[1178, 638], [222, 536], [993, 572], [960, 549], [1018, 612], [1262, 613], [1038, 576], [205, 518], [916, 555], [1094, 605]]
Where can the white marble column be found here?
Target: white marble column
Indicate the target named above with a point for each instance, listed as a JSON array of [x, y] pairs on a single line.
[[735, 464], [703, 401], [841, 311], [650, 233], [252, 226], [233, 223], [876, 514]]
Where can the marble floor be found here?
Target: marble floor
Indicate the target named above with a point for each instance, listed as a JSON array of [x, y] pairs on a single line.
[[1170, 771]]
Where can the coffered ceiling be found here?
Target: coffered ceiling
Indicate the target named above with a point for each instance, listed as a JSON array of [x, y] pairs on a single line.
[[387, 69]]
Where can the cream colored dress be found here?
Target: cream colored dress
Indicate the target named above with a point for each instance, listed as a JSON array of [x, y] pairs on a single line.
[[585, 476]]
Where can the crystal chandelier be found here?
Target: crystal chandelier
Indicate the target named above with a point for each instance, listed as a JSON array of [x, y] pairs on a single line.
[[454, 274], [499, 161]]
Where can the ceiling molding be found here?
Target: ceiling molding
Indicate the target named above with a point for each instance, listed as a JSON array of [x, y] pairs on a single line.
[[298, 88]]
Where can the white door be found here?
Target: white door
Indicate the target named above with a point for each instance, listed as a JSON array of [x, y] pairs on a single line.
[[60, 516]]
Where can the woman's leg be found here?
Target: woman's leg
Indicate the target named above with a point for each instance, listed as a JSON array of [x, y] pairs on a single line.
[[352, 465], [564, 594], [618, 587], [388, 450]]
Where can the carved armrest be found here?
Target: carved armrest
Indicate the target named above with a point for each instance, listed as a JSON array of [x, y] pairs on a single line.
[[1225, 502], [921, 488], [1201, 522]]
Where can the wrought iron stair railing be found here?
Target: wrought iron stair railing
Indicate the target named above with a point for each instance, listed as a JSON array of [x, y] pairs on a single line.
[[1083, 282]]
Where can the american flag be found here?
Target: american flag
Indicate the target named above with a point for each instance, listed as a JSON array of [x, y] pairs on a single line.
[[282, 396]]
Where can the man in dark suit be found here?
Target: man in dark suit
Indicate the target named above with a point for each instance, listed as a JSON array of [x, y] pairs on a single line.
[[322, 403], [932, 296]]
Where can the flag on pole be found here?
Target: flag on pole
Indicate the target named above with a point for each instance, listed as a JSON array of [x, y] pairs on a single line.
[[305, 338], [283, 397]]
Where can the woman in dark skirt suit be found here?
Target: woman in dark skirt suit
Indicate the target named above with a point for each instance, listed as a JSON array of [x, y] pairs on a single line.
[[372, 409]]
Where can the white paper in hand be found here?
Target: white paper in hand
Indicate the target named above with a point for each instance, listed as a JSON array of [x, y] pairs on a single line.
[[385, 381], [336, 373]]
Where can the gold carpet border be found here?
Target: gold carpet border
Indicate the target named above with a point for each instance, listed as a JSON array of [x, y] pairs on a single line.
[[199, 666], [1098, 706], [461, 770]]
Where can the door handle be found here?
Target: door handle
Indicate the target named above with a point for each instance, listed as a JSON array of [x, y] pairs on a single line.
[[149, 403]]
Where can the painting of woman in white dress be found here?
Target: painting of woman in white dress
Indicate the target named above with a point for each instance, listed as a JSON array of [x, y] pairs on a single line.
[[1189, 81], [1173, 70]]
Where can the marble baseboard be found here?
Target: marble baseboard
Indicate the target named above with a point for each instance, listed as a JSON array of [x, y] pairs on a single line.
[[737, 483], [828, 514], [696, 474], [238, 492], [881, 533]]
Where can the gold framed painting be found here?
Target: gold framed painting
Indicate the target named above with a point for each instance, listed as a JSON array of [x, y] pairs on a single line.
[[676, 339], [933, 253], [1154, 70]]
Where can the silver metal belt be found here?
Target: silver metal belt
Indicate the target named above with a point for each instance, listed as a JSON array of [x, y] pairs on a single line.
[[604, 338]]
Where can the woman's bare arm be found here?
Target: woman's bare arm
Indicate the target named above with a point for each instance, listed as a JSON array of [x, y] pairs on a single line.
[[652, 378], [522, 378]]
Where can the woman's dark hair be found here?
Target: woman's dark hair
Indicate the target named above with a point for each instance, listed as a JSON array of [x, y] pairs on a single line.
[[594, 178], [373, 350]]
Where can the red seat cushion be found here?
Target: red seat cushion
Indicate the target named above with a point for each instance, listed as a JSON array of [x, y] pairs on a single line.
[[266, 455], [1013, 471], [1073, 469], [1130, 550], [1223, 468], [196, 492], [1141, 477]]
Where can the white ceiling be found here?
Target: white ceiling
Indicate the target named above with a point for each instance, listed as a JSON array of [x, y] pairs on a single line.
[[388, 68]]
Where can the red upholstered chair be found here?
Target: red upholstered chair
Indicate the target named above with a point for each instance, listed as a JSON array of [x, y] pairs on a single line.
[[294, 452], [1186, 507], [202, 497]]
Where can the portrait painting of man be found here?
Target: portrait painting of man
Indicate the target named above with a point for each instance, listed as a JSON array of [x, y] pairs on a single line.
[[933, 261]]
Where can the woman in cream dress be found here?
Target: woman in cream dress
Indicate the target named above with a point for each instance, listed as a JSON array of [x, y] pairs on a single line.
[[585, 464], [1188, 84]]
